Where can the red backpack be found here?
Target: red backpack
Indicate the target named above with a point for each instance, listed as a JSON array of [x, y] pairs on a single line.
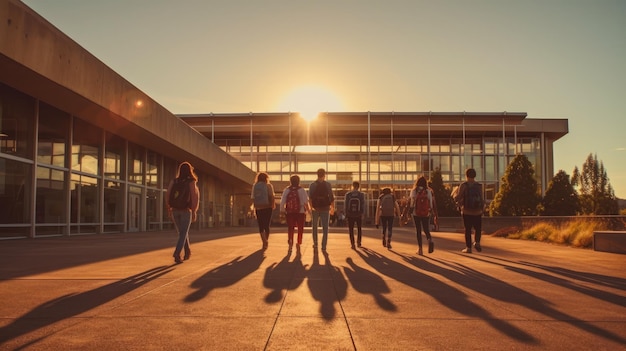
[[292, 204], [422, 205]]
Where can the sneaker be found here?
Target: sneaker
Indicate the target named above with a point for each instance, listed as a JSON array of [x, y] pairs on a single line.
[[477, 247], [467, 250], [420, 252], [384, 242], [431, 246]]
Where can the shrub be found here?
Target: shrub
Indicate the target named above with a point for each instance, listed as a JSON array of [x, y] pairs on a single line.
[[578, 232], [539, 232], [506, 232]]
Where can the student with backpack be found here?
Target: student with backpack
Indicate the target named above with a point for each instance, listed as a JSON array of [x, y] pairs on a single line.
[[469, 199], [322, 201], [354, 206], [423, 204], [263, 200], [294, 203], [387, 209], [182, 205]]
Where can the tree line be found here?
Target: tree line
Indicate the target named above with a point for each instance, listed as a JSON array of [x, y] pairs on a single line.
[[586, 192]]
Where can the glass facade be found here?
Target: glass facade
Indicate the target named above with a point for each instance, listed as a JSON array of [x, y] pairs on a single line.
[[60, 175], [378, 151]]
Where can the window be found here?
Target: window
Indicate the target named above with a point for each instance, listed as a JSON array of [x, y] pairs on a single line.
[[15, 192], [114, 156], [53, 135], [135, 164], [17, 117], [84, 199], [85, 147], [51, 199], [152, 169], [113, 202]]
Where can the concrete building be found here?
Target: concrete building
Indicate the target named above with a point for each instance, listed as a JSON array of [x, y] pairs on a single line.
[[83, 151], [384, 149]]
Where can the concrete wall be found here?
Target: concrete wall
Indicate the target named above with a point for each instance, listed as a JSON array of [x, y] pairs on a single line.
[[610, 241], [38, 59], [493, 224]]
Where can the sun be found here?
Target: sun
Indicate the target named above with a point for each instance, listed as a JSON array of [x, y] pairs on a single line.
[[309, 101]]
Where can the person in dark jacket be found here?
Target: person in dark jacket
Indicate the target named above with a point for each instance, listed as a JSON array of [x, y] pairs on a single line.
[[469, 198]]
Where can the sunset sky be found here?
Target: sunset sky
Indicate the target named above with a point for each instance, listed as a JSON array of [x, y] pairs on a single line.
[[548, 58]]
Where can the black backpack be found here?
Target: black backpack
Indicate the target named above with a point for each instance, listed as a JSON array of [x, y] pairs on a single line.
[[320, 197], [180, 197], [354, 204]]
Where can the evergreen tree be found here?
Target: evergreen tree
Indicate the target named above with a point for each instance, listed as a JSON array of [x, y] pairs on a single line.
[[443, 195], [575, 177], [518, 194], [561, 198], [596, 193]]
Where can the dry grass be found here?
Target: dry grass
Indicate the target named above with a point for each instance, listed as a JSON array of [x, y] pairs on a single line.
[[577, 233]]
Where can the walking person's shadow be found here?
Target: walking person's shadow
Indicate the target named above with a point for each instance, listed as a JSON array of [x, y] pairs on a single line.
[[369, 283], [284, 275], [72, 305], [225, 275], [327, 285], [509, 293], [449, 296]]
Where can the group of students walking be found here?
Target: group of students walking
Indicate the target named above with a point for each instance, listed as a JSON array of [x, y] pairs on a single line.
[[295, 203], [182, 202], [422, 206]]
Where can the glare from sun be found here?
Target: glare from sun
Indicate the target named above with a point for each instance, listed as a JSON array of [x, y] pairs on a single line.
[[310, 101]]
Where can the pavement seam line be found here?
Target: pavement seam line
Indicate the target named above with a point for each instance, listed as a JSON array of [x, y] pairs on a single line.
[[282, 303], [343, 312]]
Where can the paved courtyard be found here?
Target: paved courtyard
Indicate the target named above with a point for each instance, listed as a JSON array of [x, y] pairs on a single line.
[[123, 292]]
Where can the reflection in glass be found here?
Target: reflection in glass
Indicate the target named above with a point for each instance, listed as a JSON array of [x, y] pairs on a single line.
[[152, 169], [113, 157], [85, 147], [84, 199], [53, 135], [113, 202], [17, 118], [135, 163], [51, 199], [15, 192]]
